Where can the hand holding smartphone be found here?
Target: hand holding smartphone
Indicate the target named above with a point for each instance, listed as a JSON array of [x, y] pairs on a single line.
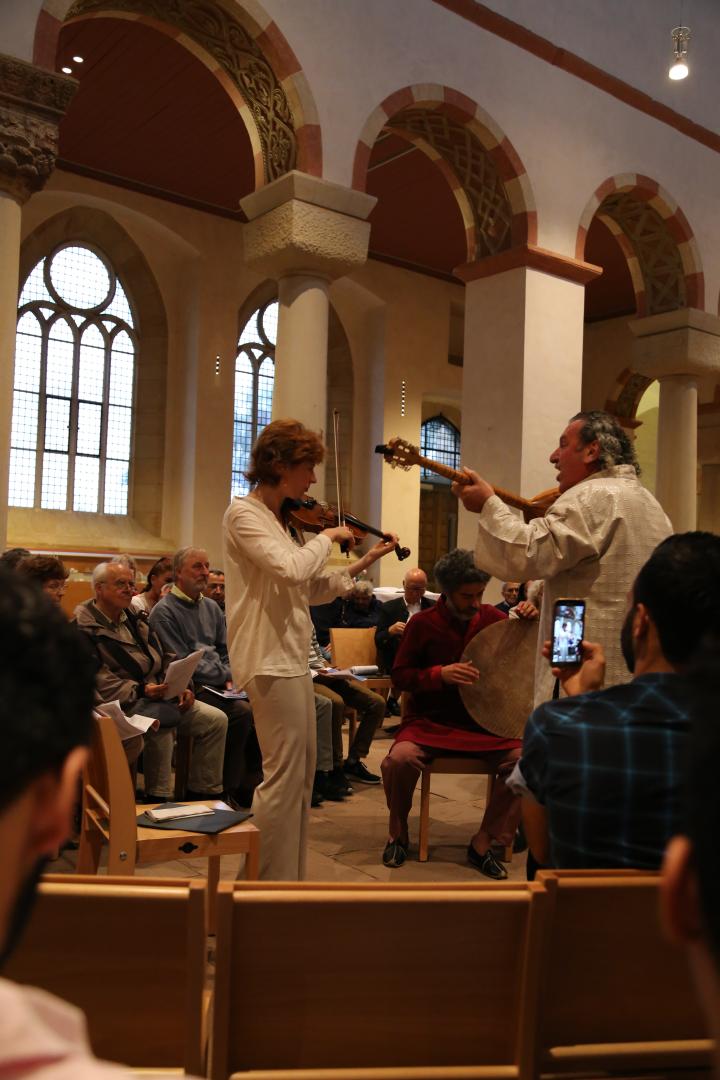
[[568, 631]]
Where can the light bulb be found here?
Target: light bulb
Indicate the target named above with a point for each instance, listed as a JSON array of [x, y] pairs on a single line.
[[679, 70], [66, 70], [79, 59]]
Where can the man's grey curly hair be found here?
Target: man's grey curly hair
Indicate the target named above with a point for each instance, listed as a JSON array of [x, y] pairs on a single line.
[[615, 445], [458, 568]]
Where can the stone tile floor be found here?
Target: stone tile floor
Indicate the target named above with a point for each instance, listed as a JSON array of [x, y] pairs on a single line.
[[347, 839]]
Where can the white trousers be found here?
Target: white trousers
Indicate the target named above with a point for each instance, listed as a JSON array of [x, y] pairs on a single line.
[[284, 714]]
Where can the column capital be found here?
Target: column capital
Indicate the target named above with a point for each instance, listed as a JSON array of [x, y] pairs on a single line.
[[681, 342], [301, 224], [530, 257], [32, 103]]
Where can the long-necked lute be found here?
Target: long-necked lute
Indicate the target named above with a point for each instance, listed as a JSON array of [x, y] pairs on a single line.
[[398, 452]]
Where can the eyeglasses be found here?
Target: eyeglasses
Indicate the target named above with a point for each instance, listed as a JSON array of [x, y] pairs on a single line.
[[54, 586], [121, 586]]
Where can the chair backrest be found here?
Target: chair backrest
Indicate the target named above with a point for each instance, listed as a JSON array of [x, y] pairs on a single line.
[[451, 979], [76, 592], [611, 984], [131, 954], [108, 789], [350, 646]]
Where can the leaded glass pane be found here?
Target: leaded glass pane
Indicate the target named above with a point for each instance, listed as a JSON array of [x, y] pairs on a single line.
[[35, 287], [269, 322], [88, 432], [24, 420], [21, 487], [79, 277], [54, 482], [121, 371], [266, 377], [59, 371], [116, 487], [439, 440], [87, 477], [91, 375], [28, 352], [57, 424], [120, 306], [118, 432]]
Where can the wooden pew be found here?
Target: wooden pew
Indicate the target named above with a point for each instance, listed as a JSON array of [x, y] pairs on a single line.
[[614, 994], [131, 955], [449, 983]]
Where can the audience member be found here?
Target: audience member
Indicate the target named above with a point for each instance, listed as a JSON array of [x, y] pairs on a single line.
[[159, 574], [361, 609], [215, 589], [48, 572], [437, 723], [186, 621], [510, 596], [370, 707], [394, 616], [601, 770], [45, 724], [324, 618], [690, 887], [132, 667], [130, 563], [9, 559], [324, 757]]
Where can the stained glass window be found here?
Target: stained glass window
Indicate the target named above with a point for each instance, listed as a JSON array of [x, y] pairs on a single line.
[[254, 378], [439, 440], [74, 382]]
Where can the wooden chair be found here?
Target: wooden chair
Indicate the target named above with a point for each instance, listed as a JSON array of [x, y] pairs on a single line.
[[614, 994], [455, 766], [131, 955], [452, 982], [350, 647], [109, 815]]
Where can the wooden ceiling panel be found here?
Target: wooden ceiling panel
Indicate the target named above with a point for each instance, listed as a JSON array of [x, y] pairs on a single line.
[[149, 113]]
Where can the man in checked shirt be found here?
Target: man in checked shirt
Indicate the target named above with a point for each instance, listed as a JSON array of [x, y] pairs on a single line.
[[602, 771]]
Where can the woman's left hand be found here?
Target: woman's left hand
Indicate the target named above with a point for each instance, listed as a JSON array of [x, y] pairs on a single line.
[[383, 547]]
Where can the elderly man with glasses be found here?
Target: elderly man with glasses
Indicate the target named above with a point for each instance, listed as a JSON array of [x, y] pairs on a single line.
[[131, 669]]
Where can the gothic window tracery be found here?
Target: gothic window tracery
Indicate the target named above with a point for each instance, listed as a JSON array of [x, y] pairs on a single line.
[[439, 440], [254, 380]]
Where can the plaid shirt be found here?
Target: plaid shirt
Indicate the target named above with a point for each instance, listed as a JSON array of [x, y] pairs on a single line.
[[609, 769]]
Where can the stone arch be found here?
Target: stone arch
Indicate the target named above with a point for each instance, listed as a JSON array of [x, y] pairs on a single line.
[[663, 256], [480, 164], [244, 50], [98, 228]]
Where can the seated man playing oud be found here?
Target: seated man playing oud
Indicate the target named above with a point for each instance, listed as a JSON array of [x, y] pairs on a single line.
[[131, 670], [436, 724]]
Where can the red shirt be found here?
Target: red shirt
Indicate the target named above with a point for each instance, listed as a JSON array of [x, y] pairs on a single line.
[[436, 715]]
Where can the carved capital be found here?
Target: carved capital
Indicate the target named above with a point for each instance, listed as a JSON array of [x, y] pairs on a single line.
[[681, 342], [300, 224], [32, 103]]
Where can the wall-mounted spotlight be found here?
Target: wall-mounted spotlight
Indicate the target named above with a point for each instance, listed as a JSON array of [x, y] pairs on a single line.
[[680, 37]]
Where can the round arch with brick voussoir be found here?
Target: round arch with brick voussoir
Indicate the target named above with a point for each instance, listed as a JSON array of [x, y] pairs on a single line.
[[501, 699]]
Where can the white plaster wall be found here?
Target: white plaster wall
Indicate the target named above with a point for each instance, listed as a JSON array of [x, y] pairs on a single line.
[[17, 27], [570, 136]]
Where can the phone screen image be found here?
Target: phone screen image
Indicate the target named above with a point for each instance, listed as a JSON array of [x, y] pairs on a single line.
[[568, 631]]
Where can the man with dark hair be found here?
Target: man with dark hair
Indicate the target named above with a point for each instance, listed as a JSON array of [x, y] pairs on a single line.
[[47, 676], [602, 770], [690, 887], [215, 588], [437, 723], [590, 543]]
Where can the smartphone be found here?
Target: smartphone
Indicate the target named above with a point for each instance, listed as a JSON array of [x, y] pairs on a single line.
[[568, 630]]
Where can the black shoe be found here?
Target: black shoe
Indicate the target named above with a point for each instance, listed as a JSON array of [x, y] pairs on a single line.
[[487, 864], [392, 707], [340, 781], [355, 770], [395, 853], [328, 787], [317, 798]]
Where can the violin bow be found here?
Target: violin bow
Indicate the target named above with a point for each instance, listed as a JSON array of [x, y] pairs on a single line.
[[336, 440]]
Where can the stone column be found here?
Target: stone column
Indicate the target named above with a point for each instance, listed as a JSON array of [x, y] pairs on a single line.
[[32, 102], [677, 348], [305, 232], [522, 368], [676, 485]]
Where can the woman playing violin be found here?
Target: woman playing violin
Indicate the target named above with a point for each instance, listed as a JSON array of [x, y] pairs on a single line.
[[270, 581]]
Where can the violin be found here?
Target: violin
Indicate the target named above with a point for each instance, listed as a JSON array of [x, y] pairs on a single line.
[[398, 452], [310, 515]]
